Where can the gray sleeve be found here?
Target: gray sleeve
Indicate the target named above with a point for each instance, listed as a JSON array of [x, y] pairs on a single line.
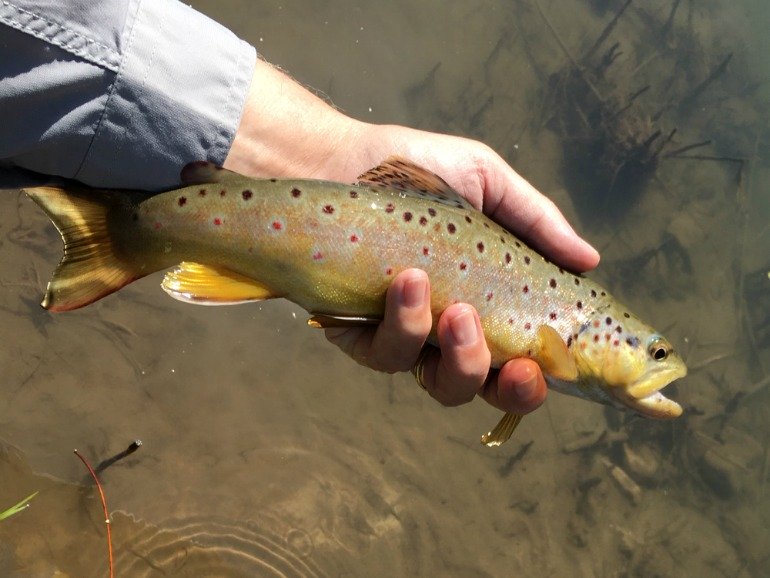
[[117, 93]]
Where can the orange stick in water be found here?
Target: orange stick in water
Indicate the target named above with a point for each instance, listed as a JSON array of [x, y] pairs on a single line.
[[104, 508]]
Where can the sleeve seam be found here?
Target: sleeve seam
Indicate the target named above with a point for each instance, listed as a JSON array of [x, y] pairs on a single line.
[[59, 35]]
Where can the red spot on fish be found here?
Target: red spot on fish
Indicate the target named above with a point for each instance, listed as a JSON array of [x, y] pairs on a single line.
[[525, 289], [222, 193], [390, 207], [480, 246], [510, 321], [353, 194], [157, 225], [202, 193], [389, 271], [182, 201], [526, 260], [463, 266], [490, 295], [606, 337], [596, 338], [247, 194], [217, 221], [277, 225], [328, 209], [616, 343], [425, 251], [317, 256], [552, 283], [507, 258], [451, 228], [295, 192], [354, 238], [407, 216], [596, 323], [432, 212], [423, 221], [527, 326], [552, 315]]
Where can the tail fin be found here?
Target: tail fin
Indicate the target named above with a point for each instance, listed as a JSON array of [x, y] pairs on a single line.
[[90, 268]]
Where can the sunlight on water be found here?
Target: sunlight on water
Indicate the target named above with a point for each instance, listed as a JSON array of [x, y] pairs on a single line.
[[268, 453]]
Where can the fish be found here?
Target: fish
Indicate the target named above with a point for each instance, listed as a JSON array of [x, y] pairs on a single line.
[[334, 248]]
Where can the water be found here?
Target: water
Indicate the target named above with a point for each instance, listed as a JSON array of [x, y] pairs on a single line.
[[266, 452]]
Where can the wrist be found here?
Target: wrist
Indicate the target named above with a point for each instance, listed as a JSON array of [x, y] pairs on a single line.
[[285, 130]]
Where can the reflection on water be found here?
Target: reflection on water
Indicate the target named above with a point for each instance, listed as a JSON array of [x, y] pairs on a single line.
[[268, 453]]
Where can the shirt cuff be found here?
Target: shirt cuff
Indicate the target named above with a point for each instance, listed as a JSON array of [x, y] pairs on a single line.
[[178, 97]]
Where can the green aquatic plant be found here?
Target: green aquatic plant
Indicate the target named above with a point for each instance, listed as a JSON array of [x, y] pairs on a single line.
[[16, 508]]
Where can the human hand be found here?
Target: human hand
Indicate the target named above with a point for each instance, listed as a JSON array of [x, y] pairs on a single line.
[[286, 131]]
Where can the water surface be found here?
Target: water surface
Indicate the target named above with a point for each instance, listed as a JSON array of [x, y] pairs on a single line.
[[267, 452]]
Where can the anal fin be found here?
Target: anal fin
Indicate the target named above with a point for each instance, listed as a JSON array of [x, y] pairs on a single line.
[[322, 321], [502, 431], [209, 285]]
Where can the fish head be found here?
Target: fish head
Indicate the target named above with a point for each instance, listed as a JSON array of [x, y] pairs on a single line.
[[629, 362]]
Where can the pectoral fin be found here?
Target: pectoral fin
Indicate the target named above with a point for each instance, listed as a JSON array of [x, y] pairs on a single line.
[[207, 285], [553, 356], [321, 321], [503, 430]]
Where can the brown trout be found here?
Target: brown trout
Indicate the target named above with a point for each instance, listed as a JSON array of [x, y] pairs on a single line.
[[334, 250]]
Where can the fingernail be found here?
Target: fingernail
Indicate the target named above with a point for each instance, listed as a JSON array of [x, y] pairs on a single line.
[[526, 390], [413, 293], [463, 328]]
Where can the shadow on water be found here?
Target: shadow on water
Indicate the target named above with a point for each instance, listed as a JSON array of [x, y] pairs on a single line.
[[266, 452]]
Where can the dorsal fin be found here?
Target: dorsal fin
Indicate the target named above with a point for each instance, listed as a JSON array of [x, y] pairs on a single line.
[[203, 172], [403, 175]]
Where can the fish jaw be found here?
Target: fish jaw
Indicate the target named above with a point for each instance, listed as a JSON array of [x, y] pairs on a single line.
[[651, 402]]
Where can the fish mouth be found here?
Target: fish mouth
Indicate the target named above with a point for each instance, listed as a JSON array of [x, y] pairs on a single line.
[[645, 396]]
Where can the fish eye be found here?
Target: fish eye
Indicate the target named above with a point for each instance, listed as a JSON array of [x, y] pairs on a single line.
[[659, 349]]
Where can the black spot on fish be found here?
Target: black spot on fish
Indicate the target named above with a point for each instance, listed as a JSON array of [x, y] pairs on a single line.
[[328, 209], [247, 194], [468, 219], [273, 180], [432, 212], [451, 228], [633, 341], [353, 194], [526, 260], [407, 216], [593, 293], [552, 283], [423, 221], [182, 201], [480, 246], [295, 192]]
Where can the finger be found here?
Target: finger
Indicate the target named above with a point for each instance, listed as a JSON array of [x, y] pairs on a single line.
[[518, 387], [514, 203], [406, 324], [457, 374]]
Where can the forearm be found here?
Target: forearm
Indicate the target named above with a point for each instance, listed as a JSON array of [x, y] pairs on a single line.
[[118, 93], [286, 130]]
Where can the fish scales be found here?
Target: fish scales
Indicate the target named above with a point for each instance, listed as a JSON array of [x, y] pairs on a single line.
[[336, 253], [334, 249]]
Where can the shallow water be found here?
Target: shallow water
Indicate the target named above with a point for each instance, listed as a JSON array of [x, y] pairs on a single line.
[[267, 452]]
